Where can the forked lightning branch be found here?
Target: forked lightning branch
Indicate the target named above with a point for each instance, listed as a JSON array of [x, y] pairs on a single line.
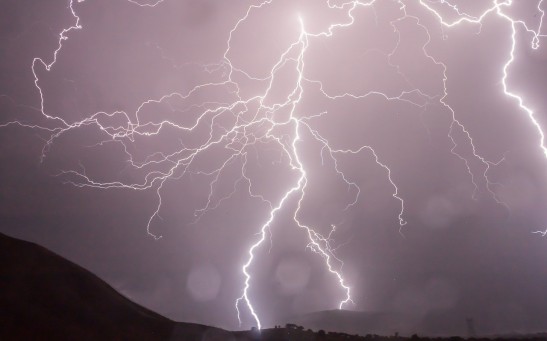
[[255, 120]]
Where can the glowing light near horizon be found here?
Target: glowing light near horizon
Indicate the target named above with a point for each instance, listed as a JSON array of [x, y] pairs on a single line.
[[243, 135]]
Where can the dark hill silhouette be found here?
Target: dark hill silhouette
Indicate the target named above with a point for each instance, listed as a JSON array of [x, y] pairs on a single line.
[[42, 295], [45, 297]]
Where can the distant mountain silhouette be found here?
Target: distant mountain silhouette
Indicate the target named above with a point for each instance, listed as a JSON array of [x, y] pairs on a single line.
[[389, 324], [434, 323], [358, 322], [44, 296]]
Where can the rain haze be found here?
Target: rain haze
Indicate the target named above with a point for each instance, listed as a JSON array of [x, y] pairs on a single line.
[[240, 163]]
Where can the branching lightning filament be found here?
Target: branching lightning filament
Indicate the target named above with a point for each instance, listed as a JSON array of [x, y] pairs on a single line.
[[244, 122]]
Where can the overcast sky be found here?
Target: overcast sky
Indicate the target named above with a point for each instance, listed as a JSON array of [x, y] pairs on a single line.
[[262, 107]]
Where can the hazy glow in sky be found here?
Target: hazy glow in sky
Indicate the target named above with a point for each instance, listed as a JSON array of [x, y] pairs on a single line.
[[400, 142]]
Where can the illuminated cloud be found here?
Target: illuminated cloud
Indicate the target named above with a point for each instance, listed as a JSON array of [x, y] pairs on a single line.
[[304, 112]]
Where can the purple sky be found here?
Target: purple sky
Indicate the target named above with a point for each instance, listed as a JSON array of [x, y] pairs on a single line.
[[193, 120]]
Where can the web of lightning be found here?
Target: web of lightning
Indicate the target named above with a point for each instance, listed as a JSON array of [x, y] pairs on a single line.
[[261, 125]]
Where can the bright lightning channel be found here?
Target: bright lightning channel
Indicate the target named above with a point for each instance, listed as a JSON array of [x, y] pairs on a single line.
[[261, 128]]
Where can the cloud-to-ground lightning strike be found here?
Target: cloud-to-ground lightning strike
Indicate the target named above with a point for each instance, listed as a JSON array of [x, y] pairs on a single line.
[[255, 121]]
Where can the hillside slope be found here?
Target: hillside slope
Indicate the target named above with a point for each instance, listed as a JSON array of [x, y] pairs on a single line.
[[42, 295]]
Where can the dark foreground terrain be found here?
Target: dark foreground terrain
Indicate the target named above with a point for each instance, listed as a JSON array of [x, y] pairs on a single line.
[[45, 297]]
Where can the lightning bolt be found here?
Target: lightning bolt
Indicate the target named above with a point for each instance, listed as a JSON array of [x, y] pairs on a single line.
[[497, 9], [254, 121]]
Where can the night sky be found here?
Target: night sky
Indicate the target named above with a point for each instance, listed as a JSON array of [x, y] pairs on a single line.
[[162, 138]]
